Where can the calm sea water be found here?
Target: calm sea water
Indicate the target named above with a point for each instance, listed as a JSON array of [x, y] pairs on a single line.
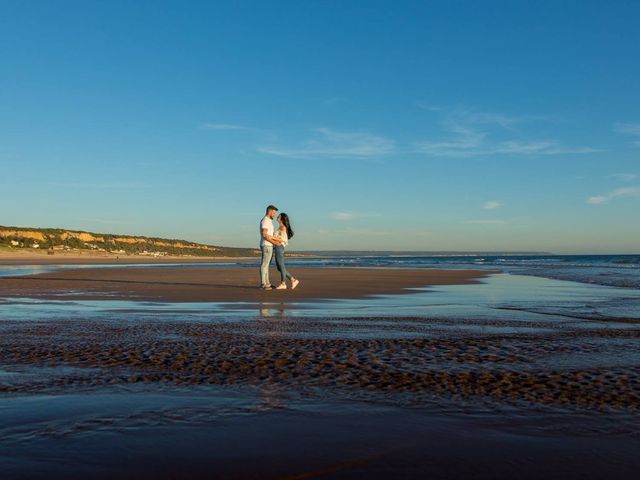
[[612, 270]]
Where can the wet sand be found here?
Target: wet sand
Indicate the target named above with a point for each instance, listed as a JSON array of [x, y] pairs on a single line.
[[270, 435], [288, 397], [270, 392], [301, 353], [225, 284]]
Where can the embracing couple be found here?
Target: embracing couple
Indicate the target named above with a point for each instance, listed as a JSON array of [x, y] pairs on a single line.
[[270, 240]]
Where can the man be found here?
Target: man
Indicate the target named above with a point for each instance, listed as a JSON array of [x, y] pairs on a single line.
[[267, 241]]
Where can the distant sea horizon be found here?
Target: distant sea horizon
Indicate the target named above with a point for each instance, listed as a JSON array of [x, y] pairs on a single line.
[[413, 253], [461, 253]]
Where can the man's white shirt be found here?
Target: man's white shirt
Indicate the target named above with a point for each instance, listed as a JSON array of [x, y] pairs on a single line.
[[266, 224]]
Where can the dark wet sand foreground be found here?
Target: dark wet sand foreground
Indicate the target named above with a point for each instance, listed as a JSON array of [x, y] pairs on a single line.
[[224, 284], [287, 397], [561, 367]]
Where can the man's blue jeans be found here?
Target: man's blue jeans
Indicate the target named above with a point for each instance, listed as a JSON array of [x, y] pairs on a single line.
[[267, 253]]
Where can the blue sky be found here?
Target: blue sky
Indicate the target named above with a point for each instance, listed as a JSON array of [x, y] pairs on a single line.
[[451, 125]]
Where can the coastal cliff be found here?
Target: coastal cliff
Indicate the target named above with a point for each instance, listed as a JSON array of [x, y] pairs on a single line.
[[63, 240]]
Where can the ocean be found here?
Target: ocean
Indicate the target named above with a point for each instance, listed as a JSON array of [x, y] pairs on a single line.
[[610, 270]]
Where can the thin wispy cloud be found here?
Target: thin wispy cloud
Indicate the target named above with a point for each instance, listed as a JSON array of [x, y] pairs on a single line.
[[487, 222], [468, 116], [224, 126], [344, 216], [631, 129], [625, 177], [618, 193], [101, 186], [475, 134], [597, 199], [465, 142], [366, 231], [467, 133], [352, 231], [491, 205], [329, 143]]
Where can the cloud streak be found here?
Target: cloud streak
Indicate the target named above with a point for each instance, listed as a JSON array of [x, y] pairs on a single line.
[[491, 205], [343, 216], [619, 192], [632, 129], [100, 186], [346, 216], [472, 117], [476, 134], [329, 143], [224, 126], [625, 177], [487, 222], [466, 142]]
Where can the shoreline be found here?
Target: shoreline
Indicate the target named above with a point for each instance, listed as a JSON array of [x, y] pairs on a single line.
[[89, 258], [226, 284]]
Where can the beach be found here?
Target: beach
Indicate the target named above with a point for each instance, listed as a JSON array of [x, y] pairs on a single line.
[[176, 371], [88, 257], [448, 188], [224, 284]]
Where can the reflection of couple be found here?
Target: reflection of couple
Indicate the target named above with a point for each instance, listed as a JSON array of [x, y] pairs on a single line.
[[270, 241]]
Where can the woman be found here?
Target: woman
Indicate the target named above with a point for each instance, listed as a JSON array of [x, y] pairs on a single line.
[[284, 233]]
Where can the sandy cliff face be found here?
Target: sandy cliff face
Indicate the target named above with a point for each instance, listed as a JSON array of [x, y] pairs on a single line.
[[82, 236], [25, 234]]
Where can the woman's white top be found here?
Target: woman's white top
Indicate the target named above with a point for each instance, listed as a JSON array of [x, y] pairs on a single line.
[[282, 235]]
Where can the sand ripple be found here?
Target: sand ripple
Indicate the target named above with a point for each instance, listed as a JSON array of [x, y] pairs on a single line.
[[583, 369]]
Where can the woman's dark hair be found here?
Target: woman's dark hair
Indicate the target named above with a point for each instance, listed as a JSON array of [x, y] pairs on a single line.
[[284, 220]]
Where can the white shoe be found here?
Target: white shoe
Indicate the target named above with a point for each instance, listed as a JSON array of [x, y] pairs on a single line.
[[294, 283], [266, 287], [282, 286]]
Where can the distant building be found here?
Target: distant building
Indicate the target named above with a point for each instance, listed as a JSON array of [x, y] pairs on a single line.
[[35, 245]]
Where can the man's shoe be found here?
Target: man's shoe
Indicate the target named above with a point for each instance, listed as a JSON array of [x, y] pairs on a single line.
[[266, 287]]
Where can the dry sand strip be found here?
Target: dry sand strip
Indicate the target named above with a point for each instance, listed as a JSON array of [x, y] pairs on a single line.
[[219, 284], [93, 258]]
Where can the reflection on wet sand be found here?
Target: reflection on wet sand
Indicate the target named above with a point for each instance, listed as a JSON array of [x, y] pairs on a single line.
[[273, 310], [271, 396]]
